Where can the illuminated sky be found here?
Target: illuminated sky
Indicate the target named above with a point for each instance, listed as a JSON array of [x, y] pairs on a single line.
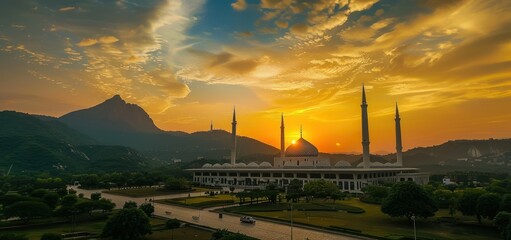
[[187, 62]]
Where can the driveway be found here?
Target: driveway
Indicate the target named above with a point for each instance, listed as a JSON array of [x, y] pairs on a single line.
[[263, 229]]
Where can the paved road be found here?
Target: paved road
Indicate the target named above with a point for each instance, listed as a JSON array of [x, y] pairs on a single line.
[[262, 229]]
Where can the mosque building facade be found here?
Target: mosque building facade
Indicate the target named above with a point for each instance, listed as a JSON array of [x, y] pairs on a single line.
[[302, 161]]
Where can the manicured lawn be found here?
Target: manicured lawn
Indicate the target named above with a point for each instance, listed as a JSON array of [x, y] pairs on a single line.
[[151, 191], [186, 232], [374, 222], [201, 202], [145, 192], [97, 226]]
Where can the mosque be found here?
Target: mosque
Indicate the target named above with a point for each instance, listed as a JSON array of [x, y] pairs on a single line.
[[302, 161]]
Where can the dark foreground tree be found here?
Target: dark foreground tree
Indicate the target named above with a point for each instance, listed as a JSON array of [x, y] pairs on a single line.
[[128, 223], [467, 202], [505, 205], [12, 236], [130, 204], [294, 190], [224, 234], [501, 221], [488, 205], [51, 236], [407, 199], [147, 208], [27, 210], [172, 224]]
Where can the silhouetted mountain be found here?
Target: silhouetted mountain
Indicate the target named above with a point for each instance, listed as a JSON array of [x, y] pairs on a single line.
[[463, 155], [115, 122], [32, 144], [15, 124], [112, 116]]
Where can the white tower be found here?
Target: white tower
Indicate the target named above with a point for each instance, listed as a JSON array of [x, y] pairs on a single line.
[[365, 131], [399, 146], [233, 133], [282, 138]]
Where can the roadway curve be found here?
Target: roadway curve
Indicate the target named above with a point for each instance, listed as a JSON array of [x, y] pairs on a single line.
[[263, 229]]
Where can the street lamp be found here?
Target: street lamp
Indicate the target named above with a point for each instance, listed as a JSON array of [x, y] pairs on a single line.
[[414, 229], [291, 221]]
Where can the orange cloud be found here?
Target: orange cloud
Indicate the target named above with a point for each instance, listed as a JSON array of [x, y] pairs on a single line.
[[66, 9], [239, 5], [87, 42]]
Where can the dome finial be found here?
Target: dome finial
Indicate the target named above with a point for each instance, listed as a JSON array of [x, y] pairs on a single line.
[[300, 130]]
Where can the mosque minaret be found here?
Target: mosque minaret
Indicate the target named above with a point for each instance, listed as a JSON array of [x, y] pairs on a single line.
[[399, 146], [234, 147], [282, 137], [366, 158]]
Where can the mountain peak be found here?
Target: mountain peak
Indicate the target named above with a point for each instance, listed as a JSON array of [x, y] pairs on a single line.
[[116, 99], [112, 115]]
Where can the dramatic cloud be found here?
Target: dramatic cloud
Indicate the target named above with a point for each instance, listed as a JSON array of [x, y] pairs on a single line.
[[307, 59]]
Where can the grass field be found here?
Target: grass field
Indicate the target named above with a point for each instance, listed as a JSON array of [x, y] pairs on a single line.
[[145, 192], [374, 222], [201, 202], [97, 226], [151, 191]]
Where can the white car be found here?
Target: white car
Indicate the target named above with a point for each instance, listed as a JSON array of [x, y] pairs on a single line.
[[247, 219]]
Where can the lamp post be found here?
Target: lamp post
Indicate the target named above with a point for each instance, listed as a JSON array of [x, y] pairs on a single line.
[[291, 221], [414, 229]]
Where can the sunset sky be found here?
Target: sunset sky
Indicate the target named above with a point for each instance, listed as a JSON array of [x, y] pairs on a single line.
[[187, 62]]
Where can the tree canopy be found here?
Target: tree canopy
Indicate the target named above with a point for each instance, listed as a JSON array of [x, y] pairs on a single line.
[[408, 199], [128, 223], [294, 190], [27, 210], [488, 205], [148, 208]]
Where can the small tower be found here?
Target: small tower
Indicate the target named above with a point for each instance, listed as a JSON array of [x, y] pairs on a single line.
[[399, 146], [211, 126], [365, 131], [282, 137], [233, 132]]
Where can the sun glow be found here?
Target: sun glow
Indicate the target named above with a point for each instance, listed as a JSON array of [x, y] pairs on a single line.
[[293, 141]]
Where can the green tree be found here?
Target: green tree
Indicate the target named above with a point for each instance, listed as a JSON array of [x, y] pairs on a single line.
[[173, 184], [488, 205], [51, 236], [408, 199], [51, 199], [147, 208], [128, 223], [12, 236], [68, 200], [39, 193], [172, 224], [27, 210], [242, 195], [129, 204], [467, 202], [106, 205], [442, 198], [375, 193], [501, 221], [271, 193], [505, 205], [321, 189], [95, 196], [294, 190], [86, 206]]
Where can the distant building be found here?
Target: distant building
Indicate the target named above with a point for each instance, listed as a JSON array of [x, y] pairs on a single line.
[[301, 161]]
